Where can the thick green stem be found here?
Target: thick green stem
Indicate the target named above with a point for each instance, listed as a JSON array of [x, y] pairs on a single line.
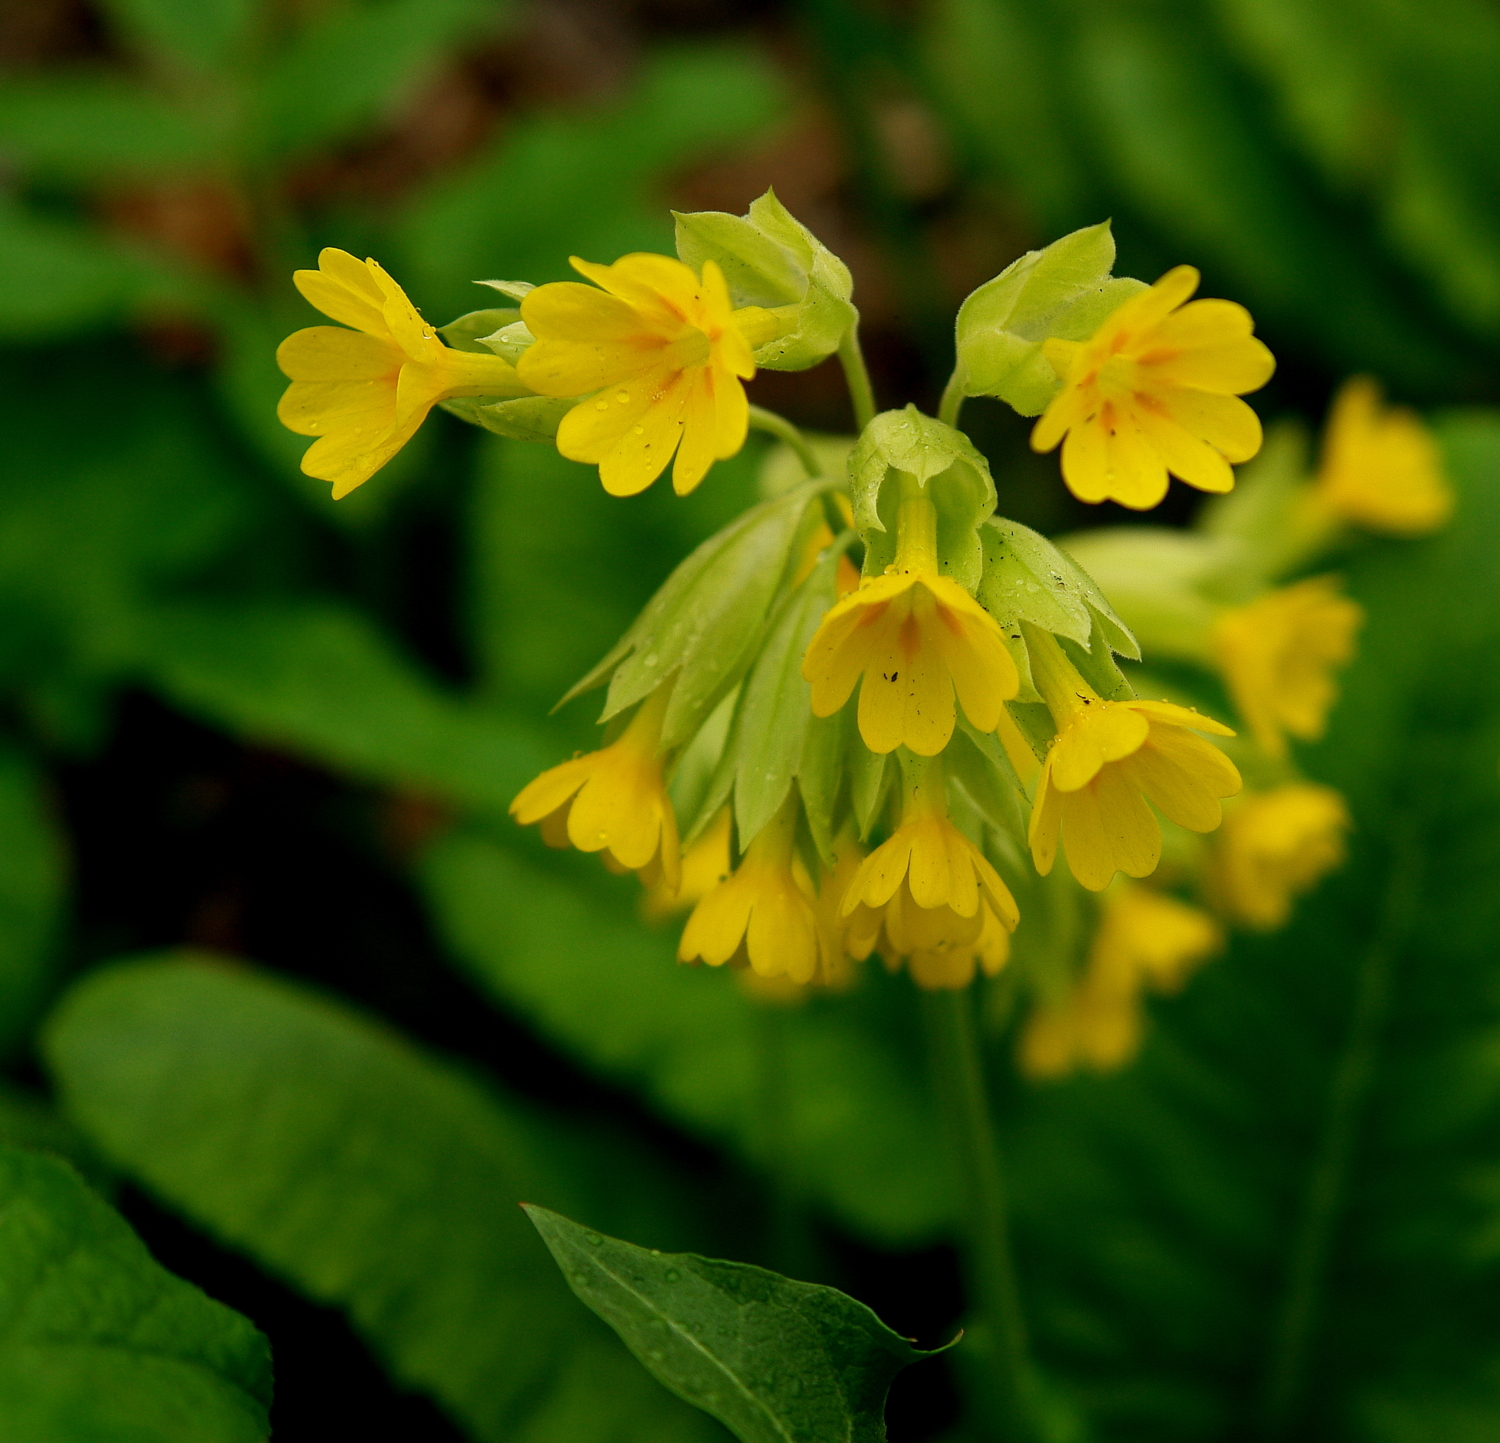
[[958, 1071], [857, 375], [953, 399], [783, 430], [1328, 1183]]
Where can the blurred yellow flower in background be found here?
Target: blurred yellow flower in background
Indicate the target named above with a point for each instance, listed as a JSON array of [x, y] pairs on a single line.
[[613, 801], [1144, 939], [1381, 467], [1277, 655], [364, 392], [1155, 390], [1273, 847], [1108, 759], [660, 356]]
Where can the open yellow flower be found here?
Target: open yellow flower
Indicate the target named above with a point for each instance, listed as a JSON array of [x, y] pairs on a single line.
[[931, 896], [1145, 939], [1277, 656], [613, 801], [1274, 846], [763, 912], [1381, 468], [662, 356], [364, 392], [1155, 390], [912, 639]]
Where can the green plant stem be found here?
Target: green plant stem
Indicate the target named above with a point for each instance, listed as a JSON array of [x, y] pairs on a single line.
[[953, 400], [1328, 1183], [857, 374], [958, 1072], [783, 430]]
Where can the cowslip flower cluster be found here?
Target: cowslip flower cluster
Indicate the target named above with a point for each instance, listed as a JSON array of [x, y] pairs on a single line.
[[871, 713]]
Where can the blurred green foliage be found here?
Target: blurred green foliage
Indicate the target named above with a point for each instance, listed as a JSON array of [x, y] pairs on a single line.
[[1332, 163]]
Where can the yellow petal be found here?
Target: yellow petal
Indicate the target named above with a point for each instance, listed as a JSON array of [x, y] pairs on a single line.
[[1046, 816], [1094, 737], [328, 408], [1185, 455], [1225, 422], [330, 353], [1107, 827]]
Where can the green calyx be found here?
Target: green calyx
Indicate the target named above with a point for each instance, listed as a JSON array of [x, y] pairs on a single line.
[[771, 260]]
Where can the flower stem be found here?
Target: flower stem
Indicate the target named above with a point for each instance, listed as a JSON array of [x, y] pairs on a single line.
[[953, 399], [958, 1069], [784, 431], [857, 375], [1328, 1183]]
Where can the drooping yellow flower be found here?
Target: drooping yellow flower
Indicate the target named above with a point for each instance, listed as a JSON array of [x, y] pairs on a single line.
[[1145, 939], [364, 392], [1274, 846], [1155, 390], [660, 357], [931, 896], [1107, 761], [1381, 468], [1277, 655], [911, 639], [763, 912], [613, 801], [705, 863]]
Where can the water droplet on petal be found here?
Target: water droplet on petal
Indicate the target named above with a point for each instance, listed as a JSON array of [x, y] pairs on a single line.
[[601, 405], [640, 430], [622, 397]]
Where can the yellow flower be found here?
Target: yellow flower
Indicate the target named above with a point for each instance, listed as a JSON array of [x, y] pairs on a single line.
[[1155, 391], [363, 393], [613, 801], [762, 913], [1276, 845], [931, 896], [1144, 939], [1277, 655], [661, 356], [705, 863], [916, 638], [1381, 468]]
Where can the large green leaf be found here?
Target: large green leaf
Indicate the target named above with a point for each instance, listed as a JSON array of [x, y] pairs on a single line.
[[777, 1361], [98, 1343], [1291, 1202], [32, 886], [857, 1134], [367, 1174]]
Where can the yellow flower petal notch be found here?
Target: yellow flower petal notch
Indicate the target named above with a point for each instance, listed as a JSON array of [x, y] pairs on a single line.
[[705, 863], [660, 357], [1155, 390], [1275, 846], [1145, 939], [1381, 468], [1109, 759], [613, 801], [364, 392], [1278, 654], [930, 895], [911, 640], [762, 913]]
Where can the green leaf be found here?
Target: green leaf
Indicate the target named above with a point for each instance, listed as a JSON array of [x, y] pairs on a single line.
[[33, 872], [98, 1342], [468, 331], [200, 35], [946, 464], [706, 622], [1064, 290], [525, 418], [777, 1361], [352, 63], [569, 956], [318, 679], [770, 259], [366, 1173]]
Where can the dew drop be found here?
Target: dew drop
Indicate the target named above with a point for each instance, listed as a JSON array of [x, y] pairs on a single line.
[[672, 1275], [594, 1238], [640, 430], [622, 397], [601, 405], [650, 660]]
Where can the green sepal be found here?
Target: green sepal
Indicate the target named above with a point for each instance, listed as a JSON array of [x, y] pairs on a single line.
[[1096, 664], [522, 418], [871, 777], [948, 467], [1027, 578], [1035, 723], [767, 736], [774, 1360], [705, 624], [516, 290], [1064, 290], [976, 761], [467, 332], [510, 342], [820, 776], [770, 259]]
